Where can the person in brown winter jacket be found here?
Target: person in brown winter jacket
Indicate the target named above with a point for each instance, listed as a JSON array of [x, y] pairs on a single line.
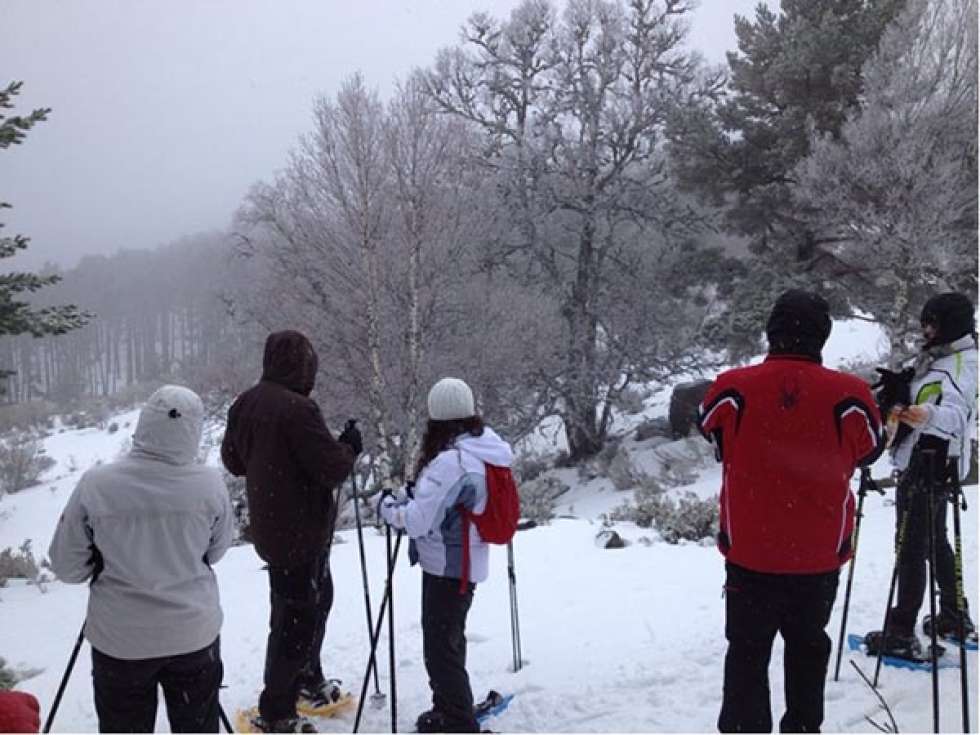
[[276, 437]]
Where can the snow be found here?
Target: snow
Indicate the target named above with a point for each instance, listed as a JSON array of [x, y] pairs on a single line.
[[624, 640]]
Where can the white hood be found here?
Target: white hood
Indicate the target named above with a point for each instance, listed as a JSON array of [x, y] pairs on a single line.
[[170, 425], [488, 448]]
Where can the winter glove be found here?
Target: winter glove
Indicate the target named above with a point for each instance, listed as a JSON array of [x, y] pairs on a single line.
[[19, 712], [386, 502], [915, 416], [893, 389], [352, 437]]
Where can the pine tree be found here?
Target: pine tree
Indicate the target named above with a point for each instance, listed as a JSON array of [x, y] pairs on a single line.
[[795, 72], [17, 316]]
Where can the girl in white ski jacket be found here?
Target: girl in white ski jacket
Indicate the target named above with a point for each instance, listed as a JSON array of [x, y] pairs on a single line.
[[450, 478]]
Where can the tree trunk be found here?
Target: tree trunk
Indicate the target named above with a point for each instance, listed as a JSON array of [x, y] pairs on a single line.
[[581, 393], [376, 389]]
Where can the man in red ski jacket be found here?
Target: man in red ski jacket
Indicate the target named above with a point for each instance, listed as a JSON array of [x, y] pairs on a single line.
[[789, 433]]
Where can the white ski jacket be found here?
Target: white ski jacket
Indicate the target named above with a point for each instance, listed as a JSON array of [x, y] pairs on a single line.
[[457, 476], [154, 521], [946, 383]]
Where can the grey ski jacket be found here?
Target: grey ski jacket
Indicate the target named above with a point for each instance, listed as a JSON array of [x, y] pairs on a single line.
[[146, 529]]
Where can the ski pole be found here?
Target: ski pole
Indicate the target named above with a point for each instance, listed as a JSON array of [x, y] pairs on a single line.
[[378, 694], [866, 484], [956, 497], [515, 623], [224, 718], [64, 679], [376, 635], [391, 633], [905, 487], [930, 462]]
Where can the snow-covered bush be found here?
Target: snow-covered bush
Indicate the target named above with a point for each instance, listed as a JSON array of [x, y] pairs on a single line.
[[21, 564], [538, 498], [622, 473], [22, 462], [688, 518], [646, 505], [8, 677], [28, 416], [612, 462], [239, 504], [529, 467]]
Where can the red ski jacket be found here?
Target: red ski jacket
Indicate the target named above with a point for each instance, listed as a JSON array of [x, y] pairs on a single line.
[[789, 433]]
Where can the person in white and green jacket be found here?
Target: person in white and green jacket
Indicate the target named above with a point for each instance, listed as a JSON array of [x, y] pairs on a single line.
[[940, 416]]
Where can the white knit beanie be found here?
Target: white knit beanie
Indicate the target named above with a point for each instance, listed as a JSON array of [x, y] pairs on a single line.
[[449, 399]]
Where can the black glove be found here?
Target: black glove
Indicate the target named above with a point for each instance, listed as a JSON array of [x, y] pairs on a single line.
[[893, 389], [352, 437]]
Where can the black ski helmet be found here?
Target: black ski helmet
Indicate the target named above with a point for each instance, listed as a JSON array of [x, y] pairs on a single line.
[[952, 314]]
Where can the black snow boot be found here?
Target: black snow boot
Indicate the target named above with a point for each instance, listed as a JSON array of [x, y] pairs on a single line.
[[431, 721], [949, 627], [899, 646]]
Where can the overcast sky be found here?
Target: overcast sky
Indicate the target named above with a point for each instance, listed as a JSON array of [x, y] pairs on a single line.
[[164, 113]]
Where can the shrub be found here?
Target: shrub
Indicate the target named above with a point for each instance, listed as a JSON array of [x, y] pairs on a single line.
[[22, 462], [8, 677], [645, 506], [21, 564], [689, 518], [29, 416], [538, 498], [239, 504], [113, 428], [622, 473], [529, 467]]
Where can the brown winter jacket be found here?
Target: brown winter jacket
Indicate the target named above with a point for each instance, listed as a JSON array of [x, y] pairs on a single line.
[[277, 438]]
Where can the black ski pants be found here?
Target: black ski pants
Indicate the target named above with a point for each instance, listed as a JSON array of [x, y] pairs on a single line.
[[912, 501], [300, 600], [126, 691], [444, 610], [757, 606]]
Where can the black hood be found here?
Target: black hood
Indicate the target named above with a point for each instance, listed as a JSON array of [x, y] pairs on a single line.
[[799, 324], [290, 361], [952, 316]]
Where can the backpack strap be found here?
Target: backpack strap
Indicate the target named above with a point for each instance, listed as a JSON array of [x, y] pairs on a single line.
[[465, 576]]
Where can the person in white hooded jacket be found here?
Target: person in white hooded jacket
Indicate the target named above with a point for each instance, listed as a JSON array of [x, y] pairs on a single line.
[[145, 530], [938, 412], [450, 479]]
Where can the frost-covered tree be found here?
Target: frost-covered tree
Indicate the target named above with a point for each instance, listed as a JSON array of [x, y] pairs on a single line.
[[17, 315], [897, 188], [572, 110], [367, 241]]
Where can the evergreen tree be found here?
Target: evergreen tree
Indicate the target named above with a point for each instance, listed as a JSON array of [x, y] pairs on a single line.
[[17, 316], [795, 72]]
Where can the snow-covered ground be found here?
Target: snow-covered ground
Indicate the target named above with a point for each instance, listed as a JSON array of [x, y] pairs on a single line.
[[620, 640]]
